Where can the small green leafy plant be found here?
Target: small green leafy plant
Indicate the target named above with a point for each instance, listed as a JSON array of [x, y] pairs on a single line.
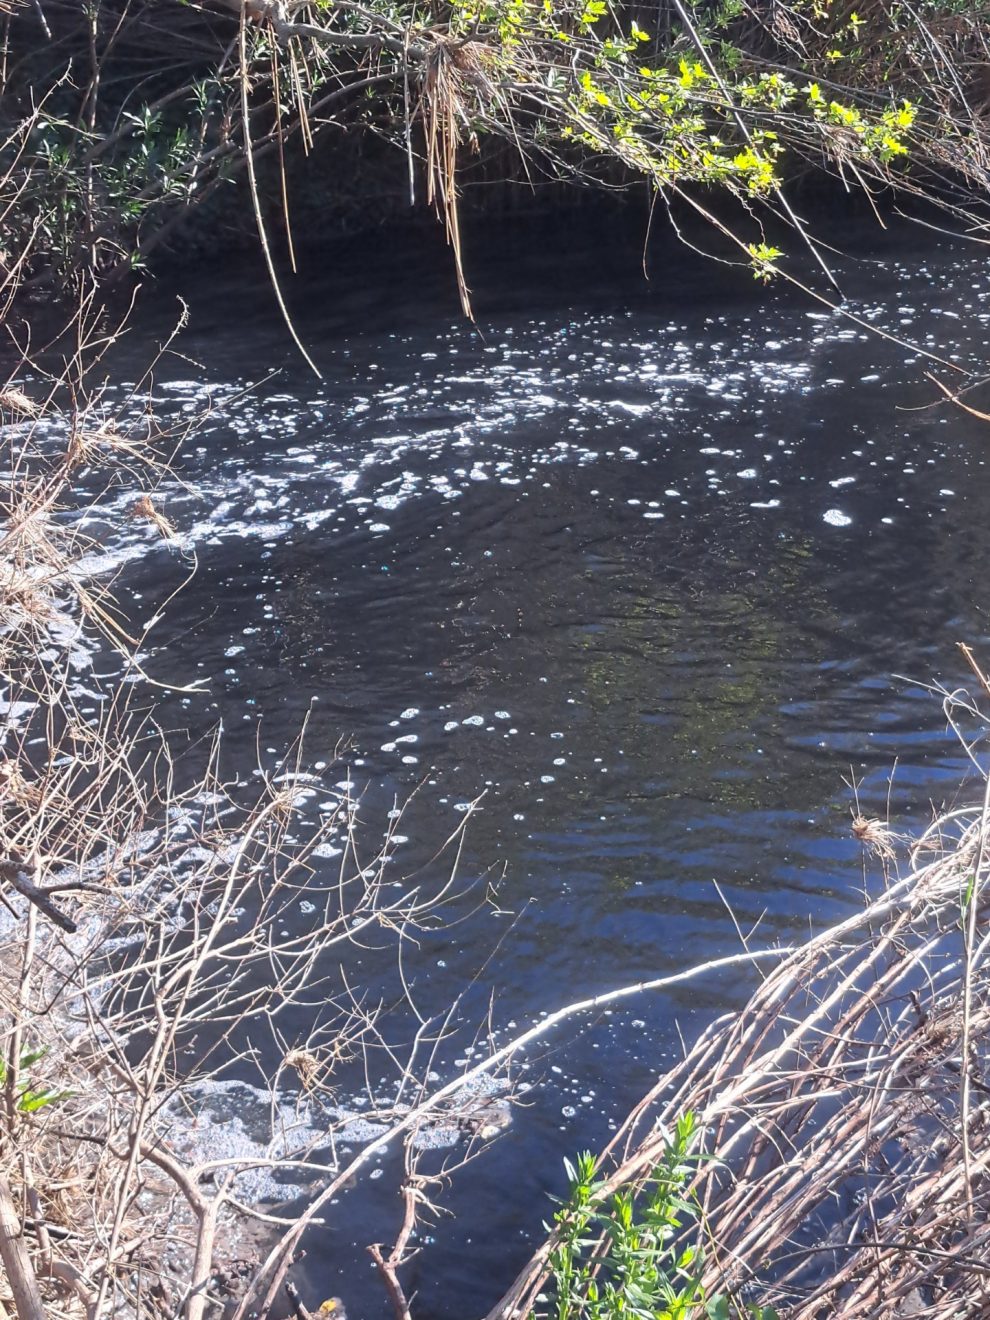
[[764, 259], [28, 1096], [635, 1256]]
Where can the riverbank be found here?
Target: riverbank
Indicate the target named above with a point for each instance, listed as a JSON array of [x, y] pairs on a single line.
[[229, 137]]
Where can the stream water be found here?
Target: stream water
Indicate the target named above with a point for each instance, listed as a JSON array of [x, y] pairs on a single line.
[[651, 566]]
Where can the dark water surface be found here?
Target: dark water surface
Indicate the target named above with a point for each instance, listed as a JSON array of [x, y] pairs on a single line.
[[640, 564]]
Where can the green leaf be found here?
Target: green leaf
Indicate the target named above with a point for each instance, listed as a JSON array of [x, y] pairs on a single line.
[[30, 1101]]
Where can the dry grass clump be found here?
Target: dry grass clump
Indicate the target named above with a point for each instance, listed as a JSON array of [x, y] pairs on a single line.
[[61, 440], [79, 792], [875, 836]]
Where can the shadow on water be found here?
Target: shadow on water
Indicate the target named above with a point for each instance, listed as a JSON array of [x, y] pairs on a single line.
[[639, 566]]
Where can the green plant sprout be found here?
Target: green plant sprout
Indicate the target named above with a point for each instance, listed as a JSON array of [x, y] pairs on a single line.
[[636, 1256], [28, 1096]]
